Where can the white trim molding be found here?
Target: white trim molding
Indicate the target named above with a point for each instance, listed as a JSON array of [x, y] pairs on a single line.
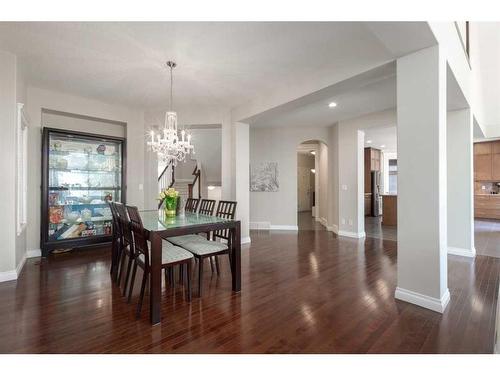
[[245, 240], [462, 252], [266, 225], [431, 303], [8, 276], [284, 227], [333, 228], [346, 233]]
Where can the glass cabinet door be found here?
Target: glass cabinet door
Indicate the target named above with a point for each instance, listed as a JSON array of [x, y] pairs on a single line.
[[84, 174]]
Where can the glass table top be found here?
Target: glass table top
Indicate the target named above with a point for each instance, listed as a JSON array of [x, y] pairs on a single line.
[[155, 220]]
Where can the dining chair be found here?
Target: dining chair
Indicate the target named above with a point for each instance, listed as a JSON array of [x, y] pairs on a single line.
[[171, 256], [191, 204], [205, 247], [127, 244], [116, 241]]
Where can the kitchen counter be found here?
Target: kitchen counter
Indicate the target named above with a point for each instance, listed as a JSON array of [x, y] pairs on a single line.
[[390, 209]]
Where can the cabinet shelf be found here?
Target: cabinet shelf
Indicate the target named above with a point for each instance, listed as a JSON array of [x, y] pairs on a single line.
[[63, 188]]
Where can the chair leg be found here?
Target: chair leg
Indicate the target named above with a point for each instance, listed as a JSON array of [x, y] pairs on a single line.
[[121, 265], [129, 267], [217, 267], [132, 282], [141, 296], [188, 281], [200, 276], [211, 264], [172, 276], [181, 273]]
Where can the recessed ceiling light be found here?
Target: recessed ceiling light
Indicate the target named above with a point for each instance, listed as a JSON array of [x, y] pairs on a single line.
[[332, 105], [382, 146], [313, 152], [369, 141], [313, 170], [210, 187]]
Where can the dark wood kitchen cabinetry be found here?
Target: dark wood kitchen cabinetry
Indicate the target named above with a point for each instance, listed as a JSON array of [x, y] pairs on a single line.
[[487, 177], [373, 160]]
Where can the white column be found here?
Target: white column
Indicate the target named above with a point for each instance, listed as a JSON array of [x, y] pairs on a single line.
[[333, 179], [226, 158], [460, 183], [241, 157], [351, 181], [422, 194]]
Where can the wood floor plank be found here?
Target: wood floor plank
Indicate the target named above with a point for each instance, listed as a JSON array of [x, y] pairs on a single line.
[[303, 292]]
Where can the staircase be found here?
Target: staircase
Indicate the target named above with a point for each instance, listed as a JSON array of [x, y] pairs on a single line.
[[187, 183]]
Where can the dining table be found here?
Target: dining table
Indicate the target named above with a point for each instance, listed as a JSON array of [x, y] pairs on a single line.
[[159, 227]]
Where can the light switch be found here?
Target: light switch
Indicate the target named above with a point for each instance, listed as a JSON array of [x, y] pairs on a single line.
[[344, 187], [141, 187]]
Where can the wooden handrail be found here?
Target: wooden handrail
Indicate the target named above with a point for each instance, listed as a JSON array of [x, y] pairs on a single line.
[[197, 176]]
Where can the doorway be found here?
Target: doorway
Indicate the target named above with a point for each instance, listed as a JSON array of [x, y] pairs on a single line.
[[311, 159]]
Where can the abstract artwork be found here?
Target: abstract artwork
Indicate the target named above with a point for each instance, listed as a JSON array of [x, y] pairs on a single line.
[[264, 177]]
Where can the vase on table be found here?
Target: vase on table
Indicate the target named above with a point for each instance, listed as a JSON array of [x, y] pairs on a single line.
[[170, 198]]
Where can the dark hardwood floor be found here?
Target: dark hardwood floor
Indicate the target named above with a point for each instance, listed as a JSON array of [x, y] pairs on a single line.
[[302, 292]]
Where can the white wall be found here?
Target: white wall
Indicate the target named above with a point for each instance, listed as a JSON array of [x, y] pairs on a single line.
[[135, 133], [460, 183], [8, 166], [275, 144], [94, 126]]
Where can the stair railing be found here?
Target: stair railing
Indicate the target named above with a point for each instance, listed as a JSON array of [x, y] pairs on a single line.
[[197, 179]]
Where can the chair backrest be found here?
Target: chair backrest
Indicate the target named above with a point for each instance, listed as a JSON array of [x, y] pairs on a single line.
[[207, 207], [191, 204], [226, 210], [116, 220], [124, 221], [137, 228]]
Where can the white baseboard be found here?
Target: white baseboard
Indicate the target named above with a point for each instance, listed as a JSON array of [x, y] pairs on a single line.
[[34, 253], [323, 221], [284, 227], [245, 240], [346, 233], [262, 225], [462, 252], [431, 303], [8, 275], [333, 228]]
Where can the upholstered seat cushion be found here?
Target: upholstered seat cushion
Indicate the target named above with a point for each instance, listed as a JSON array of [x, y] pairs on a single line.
[[171, 254], [179, 240], [198, 245]]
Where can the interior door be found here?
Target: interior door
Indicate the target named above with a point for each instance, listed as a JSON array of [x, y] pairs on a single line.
[[304, 189]]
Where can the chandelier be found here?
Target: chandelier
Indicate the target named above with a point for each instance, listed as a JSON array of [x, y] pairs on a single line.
[[166, 142]]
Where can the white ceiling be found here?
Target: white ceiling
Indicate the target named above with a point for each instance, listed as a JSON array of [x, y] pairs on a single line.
[[371, 98], [379, 137], [220, 64]]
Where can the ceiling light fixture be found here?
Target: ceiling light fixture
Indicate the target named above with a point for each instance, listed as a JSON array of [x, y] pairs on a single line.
[[369, 141], [382, 146], [313, 170], [332, 105], [166, 142], [313, 152], [210, 187]]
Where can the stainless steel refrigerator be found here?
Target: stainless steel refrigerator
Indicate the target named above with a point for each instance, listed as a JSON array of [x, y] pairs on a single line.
[[376, 197]]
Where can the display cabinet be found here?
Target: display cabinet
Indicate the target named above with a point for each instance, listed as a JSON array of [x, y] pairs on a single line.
[[81, 173]]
